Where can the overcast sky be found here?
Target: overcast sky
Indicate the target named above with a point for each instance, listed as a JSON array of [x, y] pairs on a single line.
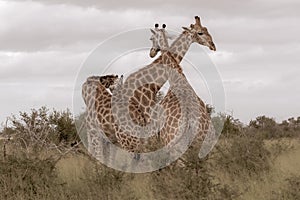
[[44, 43]]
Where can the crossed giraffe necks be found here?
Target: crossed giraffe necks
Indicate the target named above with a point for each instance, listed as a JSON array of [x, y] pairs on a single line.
[[171, 103]]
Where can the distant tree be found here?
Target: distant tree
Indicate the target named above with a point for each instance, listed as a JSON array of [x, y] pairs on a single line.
[[263, 122], [285, 125], [64, 125], [231, 126], [292, 122], [266, 127], [227, 125], [42, 129], [253, 124], [298, 122]]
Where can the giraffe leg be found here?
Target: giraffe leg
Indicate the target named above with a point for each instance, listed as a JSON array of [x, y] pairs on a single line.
[[137, 156]]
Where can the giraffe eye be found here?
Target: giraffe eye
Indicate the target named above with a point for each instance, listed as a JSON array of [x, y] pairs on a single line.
[[200, 33]]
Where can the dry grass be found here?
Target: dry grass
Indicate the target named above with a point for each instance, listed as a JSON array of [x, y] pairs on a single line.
[[79, 177], [260, 161], [275, 183], [71, 169]]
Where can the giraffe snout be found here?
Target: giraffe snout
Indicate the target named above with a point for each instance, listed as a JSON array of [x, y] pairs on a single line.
[[212, 46], [153, 52]]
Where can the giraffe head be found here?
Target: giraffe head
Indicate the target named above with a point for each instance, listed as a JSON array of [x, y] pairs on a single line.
[[200, 34], [108, 81], [159, 40]]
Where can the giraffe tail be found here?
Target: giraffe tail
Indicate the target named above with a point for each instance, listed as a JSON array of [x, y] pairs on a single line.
[[209, 142]]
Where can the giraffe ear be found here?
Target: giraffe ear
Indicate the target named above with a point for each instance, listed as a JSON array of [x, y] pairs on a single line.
[[153, 32], [186, 29]]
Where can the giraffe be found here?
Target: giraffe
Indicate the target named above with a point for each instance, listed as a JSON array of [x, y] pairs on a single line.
[[139, 91], [159, 43], [98, 108], [170, 103], [99, 117]]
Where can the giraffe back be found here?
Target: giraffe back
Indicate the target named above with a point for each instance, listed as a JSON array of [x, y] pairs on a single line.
[[98, 101]]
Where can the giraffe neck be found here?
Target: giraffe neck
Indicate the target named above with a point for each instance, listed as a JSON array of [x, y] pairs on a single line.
[[180, 46], [169, 57], [163, 41]]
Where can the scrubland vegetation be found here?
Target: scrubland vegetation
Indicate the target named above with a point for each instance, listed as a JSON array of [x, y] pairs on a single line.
[[44, 159]]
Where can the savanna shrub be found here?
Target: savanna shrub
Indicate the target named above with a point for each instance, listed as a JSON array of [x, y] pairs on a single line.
[[246, 155]]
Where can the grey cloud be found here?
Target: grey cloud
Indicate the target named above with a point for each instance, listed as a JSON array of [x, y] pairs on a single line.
[[74, 24], [30, 66], [40, 27], [253, 8]]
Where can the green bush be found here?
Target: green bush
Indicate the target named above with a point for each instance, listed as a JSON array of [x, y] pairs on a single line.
[[40, 131], [246, 155], [191, 179], [64, 126], [56, 127], [22, 178], [107, 183], [267, 128]]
